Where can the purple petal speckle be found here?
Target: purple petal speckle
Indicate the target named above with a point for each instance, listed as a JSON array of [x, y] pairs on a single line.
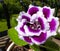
[[52, 25], [33, 10], [22, 28], [46, 12], [25, 17], [40, 38], [41, 22], [27, 39]]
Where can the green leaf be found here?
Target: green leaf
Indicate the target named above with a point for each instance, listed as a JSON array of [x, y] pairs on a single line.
[[57, 36], [14, 37], [51, 46], [45, 48], [35, 47], [13, 22]]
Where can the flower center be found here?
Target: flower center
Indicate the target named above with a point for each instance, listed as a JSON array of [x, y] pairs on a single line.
[[34, 26]]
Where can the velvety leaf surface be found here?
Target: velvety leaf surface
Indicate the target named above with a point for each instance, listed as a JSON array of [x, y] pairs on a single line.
[[14, 37], [51, 46]]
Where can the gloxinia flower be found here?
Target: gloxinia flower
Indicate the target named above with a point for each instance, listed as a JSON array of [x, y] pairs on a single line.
[[37, 25]]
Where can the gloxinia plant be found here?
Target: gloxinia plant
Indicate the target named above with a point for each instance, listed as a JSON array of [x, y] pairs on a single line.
[[36, 25]]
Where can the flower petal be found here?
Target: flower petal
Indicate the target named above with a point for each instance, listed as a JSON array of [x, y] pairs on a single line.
[[27, 39], [49, 34], [33, 17], [20, 28], [31, 32], [25, 17], [47, 11], [54, 24], [33, 9], [41, 22], [20, 15], [39, 39]]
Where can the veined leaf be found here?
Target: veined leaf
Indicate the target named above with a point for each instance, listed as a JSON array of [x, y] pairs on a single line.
[[14, 37]]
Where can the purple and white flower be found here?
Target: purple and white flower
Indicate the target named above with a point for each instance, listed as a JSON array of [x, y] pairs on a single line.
[[37, 25]]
